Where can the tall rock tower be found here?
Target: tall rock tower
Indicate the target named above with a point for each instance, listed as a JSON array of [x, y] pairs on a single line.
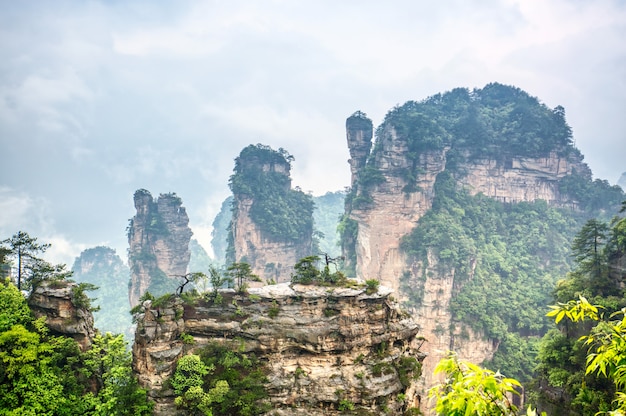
[[272, 225], [359, 130], [497, 142], [158, 238]]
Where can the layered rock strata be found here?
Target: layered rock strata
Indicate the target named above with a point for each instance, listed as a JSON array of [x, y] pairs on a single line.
[[158, 238], [320, 345], [65, 308]]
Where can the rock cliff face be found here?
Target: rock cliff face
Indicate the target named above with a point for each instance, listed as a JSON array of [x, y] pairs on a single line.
[[269, 258], [158, 238], [272, 224], [392, 213], [62, 303], [388, 207], [320, 345]]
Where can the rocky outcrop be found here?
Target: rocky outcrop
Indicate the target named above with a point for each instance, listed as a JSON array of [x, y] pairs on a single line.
[[391, 212], [272, 224], [397, 187], [359, 135], [269, 258], [320, 345], [66, 309], [158, 238]]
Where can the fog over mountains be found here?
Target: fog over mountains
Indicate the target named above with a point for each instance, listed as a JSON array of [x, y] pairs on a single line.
[[100, 99]]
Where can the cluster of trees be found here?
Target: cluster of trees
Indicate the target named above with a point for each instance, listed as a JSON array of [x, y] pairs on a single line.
[[43, 374], [567, 374], [496, 120], [506, 259], [219, 380], [514, 254], [581, 364]]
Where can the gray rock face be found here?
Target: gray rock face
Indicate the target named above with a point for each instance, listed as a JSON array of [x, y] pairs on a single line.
[[271, 257], [158, 238], [321, 345], [58, 302], [359, 132]]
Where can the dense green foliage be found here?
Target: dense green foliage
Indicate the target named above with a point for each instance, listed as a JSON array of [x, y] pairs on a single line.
[[282, 213], [505, 258], [495, 121], [591, 196], [220, 381], [469, 390], [23, 249], [102, 267], [108, 362], [582, 360], [41, 374]]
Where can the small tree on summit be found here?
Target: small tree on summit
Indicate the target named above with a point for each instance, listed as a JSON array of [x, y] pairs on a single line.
[[241, 274], [24, 248]]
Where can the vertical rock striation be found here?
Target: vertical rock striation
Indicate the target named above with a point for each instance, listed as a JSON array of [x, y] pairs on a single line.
[[359, 135], [394, 187], [272, 224], [158, 238]]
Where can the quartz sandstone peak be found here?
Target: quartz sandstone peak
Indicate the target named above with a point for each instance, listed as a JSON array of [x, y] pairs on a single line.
[[394, 186], [272, 224], [158, 238], [321, 346]]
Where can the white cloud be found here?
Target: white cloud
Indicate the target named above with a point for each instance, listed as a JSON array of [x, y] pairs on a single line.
[[22, 212], [62, 250], [101, 98]]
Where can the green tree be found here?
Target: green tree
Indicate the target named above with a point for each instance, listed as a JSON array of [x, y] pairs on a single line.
[[218, 281], [606, 341], [306, 272], [565, 354], [40, 373], [470, 390], [13, 307], [188, 381], [590, 257], [24, 249], [118, 393], [241, 274]]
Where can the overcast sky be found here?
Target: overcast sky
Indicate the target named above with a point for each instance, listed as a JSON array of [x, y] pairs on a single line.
[[101, 98]]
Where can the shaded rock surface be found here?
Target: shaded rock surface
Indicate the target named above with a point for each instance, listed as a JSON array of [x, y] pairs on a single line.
[[321, 345], [158, 238], [281, 233], [61, 304]]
